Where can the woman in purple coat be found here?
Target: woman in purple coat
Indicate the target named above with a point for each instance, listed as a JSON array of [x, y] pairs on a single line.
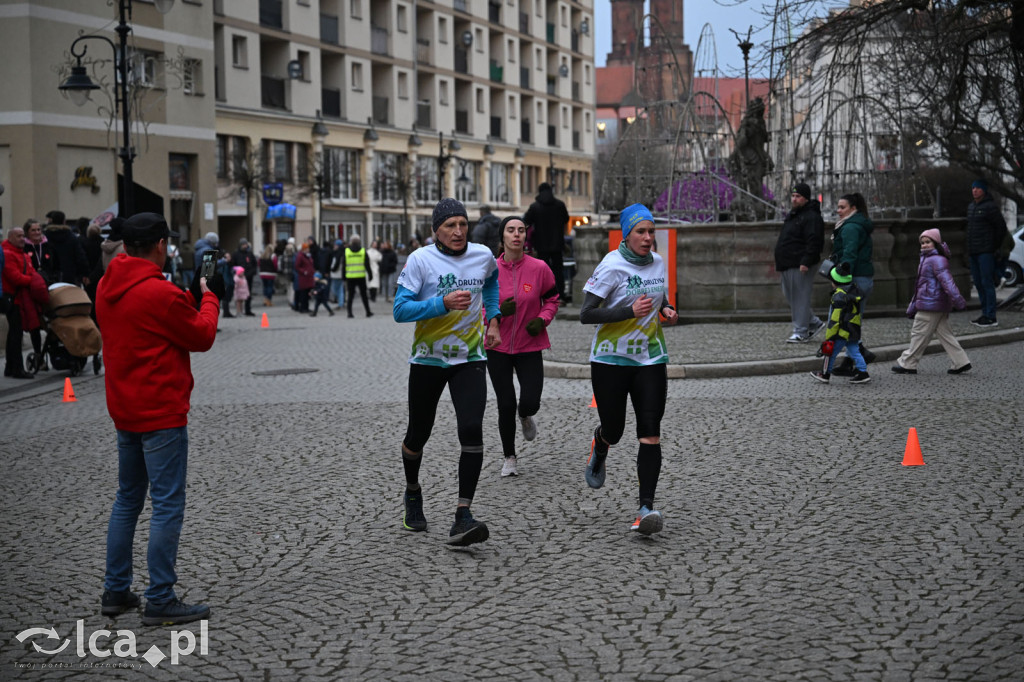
[[935, 295]]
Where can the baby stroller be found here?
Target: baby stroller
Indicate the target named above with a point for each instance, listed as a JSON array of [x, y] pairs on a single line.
[[71, 335]]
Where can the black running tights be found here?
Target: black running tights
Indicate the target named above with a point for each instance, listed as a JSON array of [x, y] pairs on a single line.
[[529, 369]]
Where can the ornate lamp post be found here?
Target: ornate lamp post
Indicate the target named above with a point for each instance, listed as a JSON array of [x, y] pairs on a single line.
[[319, 132], [78, 85], [745, 46]]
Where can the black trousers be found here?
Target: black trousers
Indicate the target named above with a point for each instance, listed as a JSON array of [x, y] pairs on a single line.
[[554, 261], [353, 284], [14, 362], [529, 369], [467, 385], [646, 386]]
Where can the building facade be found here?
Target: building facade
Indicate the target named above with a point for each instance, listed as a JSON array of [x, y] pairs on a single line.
[[362, 113], [56, 155]]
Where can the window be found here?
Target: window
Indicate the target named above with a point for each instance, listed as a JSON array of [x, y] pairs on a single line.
[[539, 60], [303, 59], [341, 173], [512, 51], [144, 68], [401, 18], [356, 9], [302, 164], [239, 157], [388, 171], [468, 182], [239, 52], [425, 180], [565, 15], [565, 117], [540, 8], [480, 101], [512, 106], [220, 160], [442, 94], [500, 188], [403, 85], [357, 76], [192, 77], [586, 73], [282, 169], [479, 40], [442, 30]]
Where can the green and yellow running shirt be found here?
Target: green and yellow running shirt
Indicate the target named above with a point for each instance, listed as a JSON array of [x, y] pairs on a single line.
[[632, 341], [446, 337]]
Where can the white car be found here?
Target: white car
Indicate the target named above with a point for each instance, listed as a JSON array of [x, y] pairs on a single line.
[[1014, 275]]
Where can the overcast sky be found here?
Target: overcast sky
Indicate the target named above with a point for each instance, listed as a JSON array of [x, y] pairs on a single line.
[[721, 14]]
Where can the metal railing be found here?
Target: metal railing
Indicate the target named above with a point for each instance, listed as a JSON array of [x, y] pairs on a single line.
[[329, 29], [272, 92]]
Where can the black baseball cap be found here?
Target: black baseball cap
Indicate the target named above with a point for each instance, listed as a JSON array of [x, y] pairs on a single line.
[[145, 228]]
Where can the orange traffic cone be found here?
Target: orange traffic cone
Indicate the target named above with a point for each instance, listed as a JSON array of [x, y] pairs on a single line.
[[265, 322], [69, 393], [912, 455], [593, 400]]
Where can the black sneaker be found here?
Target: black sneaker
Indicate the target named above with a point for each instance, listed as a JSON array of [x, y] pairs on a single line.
[[413, 519], [466, 530], [959, 370], [860, 378], [899, 369], [984, 322], [116, 602], [174, 612], [845, 368]]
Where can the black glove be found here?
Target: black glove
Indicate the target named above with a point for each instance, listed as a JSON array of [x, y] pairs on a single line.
[[535, 326], [507, 307]]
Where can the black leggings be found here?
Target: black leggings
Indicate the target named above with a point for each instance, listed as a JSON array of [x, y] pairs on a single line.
[[529, 368], [359, 283], [646, 386]]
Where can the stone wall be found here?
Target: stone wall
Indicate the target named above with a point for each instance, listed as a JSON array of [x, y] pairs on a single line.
[[730, 268]]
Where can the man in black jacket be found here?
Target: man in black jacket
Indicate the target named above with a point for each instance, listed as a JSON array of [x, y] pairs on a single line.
[[797, 252], [548, 218], [985, 230], [68, 262]]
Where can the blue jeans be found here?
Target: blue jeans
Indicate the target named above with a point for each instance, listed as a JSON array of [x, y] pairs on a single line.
[[983, 272], [338, 290], [157, 460], [852, 352]]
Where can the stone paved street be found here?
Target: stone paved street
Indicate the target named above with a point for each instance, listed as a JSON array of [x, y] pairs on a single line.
[[796, 545]]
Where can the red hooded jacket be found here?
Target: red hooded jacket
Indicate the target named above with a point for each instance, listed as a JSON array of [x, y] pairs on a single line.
[[149, 326]]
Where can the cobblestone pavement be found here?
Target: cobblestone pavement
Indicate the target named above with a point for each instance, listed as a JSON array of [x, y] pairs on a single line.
[[796, 545]]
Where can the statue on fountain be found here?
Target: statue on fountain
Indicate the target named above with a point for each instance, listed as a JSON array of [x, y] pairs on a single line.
[[749, 163]]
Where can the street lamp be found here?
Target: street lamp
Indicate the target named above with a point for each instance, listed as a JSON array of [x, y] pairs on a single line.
[[745, 46], [443, 160], [78, 86], [319, 133]]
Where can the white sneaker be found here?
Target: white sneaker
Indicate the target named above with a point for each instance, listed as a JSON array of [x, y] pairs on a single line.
[[795, 338], [529, 427], [509, 467]]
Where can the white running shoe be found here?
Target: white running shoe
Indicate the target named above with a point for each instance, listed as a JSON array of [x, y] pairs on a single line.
[[509, 467], [529, 427]]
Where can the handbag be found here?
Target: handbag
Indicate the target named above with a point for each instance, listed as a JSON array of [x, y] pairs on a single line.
[[826, 268]]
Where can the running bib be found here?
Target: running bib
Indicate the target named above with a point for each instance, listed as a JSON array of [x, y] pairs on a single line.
[[632, 341], [458, 335]]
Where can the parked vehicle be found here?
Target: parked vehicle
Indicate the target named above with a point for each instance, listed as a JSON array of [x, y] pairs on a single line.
[[1014, 276]]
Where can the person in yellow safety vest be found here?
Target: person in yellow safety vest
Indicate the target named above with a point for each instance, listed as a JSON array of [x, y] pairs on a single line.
[[355, 270]]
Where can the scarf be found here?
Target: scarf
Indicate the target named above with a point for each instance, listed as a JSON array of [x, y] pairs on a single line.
[[449, 252], [632, 258]]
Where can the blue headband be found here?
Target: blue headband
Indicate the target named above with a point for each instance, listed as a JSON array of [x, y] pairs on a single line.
[[631, 215]]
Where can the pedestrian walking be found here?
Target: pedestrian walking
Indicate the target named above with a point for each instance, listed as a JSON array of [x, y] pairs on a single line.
[[334, 271], [268, 274], [797, 253], [388, 268], [304, 271], [843, 330], [443, 289], [241, 291], [626, 297], [852, 247], [529, 301], [374, 256], [246, 259], [548, 217], [149, 327], [18, 305], [986, 228], [68, 262], [355, 269], [935, 295], [321, 294]]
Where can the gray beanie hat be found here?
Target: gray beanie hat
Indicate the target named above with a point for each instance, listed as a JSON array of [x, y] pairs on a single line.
[[448, 208]]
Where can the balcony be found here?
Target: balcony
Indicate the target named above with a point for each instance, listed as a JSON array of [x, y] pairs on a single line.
[[378, 40], [494, 12], [329, 29], [460, 5], [551, 85], [576, 90], [497, 73], [423, 115], [461, 121], [524, 22], [552, 136], [330, 102], [423, 51], [461, 60], [524, 130], [380, 110], [272, 92], [574, 41], [496, 128], [271, 14], [551, 32], [524, 76]]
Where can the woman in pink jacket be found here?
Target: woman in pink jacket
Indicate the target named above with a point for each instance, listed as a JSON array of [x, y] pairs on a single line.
[[529, 301]]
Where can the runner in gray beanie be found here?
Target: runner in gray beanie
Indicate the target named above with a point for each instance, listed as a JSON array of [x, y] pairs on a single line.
[[447, 208]]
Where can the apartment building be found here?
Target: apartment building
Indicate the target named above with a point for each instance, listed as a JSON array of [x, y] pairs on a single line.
[[56, 155], [342, 117]]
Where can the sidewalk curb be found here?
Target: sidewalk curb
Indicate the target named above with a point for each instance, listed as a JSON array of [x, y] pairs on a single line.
[[714, 370]]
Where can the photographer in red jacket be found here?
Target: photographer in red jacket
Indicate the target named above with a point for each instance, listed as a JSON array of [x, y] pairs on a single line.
[[149, 326]]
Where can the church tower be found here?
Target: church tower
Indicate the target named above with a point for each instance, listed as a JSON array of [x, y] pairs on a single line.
[[626, 17]]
